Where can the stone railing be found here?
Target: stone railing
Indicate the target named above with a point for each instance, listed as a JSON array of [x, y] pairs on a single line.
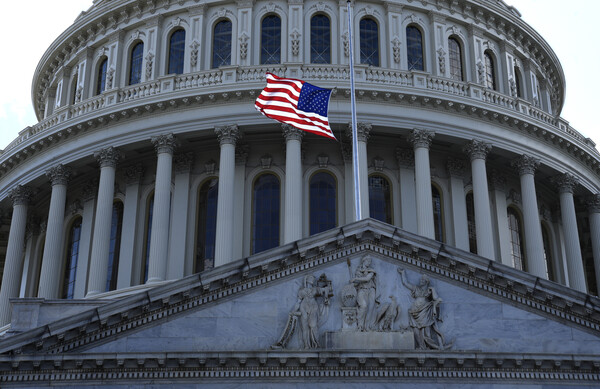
[[232, 77]]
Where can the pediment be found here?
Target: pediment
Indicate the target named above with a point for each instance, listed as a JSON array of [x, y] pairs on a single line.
[[257, 311]]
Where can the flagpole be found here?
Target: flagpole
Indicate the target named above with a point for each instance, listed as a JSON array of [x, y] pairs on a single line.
[[357, 199]]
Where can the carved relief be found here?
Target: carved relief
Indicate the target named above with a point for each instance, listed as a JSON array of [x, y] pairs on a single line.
[[441, 60], [243, 45], [480, 72], [513, 87], [109, 78], [149, 64], [194, 53], [396, 49], [295, 35]]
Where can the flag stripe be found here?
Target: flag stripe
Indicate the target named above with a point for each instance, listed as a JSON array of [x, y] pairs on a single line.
[[282, 96]]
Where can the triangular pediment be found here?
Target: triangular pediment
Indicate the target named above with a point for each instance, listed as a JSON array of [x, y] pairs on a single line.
[[258, 310]]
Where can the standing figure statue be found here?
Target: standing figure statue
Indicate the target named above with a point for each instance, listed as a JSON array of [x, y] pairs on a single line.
[[366, 288], [424, 314]]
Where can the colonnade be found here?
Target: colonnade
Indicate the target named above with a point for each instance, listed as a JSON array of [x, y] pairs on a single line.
[[160, 261]]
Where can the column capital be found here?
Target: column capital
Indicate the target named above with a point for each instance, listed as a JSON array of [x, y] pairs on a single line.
[[228, 134], [525, 164], [134, 174], [346, 148], [20, 195], [593, 203], [477, 149], [59, 174], [108, 156], [405, 157], [90, 190], [456, 167], [363, 131], [497, 181], [566, 182], [164, 143], [183, 162], [241, 154], [291, 133], [421, 138]]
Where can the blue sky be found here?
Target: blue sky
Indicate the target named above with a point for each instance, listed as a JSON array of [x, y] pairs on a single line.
[[570, 31]]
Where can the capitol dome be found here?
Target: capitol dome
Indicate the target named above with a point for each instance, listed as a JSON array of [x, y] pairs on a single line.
[[150, 173]]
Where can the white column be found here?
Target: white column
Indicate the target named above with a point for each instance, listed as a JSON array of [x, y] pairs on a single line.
[[241, 157], [13, 264], [477, 151], [408, 201], [534, 244], [227, 136], [50, 277], [593, 204], [500, 215], [566, 184], [292, 227], [88, 196], [159, 237], [133, 176], [421, 140], [179, 219], [363, 131], [456, 169], [107, 159]]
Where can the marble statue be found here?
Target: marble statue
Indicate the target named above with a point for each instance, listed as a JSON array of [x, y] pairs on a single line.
[[365, 282], [387, 315]]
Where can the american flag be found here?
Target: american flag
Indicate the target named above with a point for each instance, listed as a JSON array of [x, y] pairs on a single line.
[[296, 102]]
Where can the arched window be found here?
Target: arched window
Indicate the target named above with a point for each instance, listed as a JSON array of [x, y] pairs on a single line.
[[471, 223], [206, 229], [74, 89], [101, 79], [438, 217], [68, 286], [147, 235], [516, 238], [414, 48], [115, 246], [176, 52], [455, 56], [380, 198], [222, 44], [518, 81], [320, 39], [322, 197], [265, 220], [490, 71], [548, 253], [270, 40], [135, 63], [369, 42]]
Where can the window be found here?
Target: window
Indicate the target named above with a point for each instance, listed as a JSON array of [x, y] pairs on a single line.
[[320, 39], [68, 286], [135, 63], [518, 81], [176, 52], [438, 218], [270, 40], [490, 72], [322, 195], [74, 89], [101, 79], [222, 44], [471, 223], [414, 48], [548, 253], [115, 246], [516, 238], [369, 42], [380, 198], [265, 220], [207, 225], [148, 235], [455, 56]]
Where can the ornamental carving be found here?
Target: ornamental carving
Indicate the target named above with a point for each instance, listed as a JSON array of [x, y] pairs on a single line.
[[291, 133], [441, 60], [243, 45], [593, 203], [566, 183], [421, 138], [59, 175], [405, 157], [194, 53], [477, 149], [110, 74], [21, 195], [241, 154], [90, 189], [164, 143], [526, 164], [210, 167], [295, 35], [378, 164], [497, 181], [396, 49], [227, 134], [363, 131], [183, 162], [480, 72], [149, 64], [266, 161], [134, 174], [346, 42], [323, 161], [108, 157], [456, 167], [346, 149], [513, 87]]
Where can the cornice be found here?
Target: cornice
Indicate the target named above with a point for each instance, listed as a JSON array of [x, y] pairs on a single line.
[[490, 278]]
